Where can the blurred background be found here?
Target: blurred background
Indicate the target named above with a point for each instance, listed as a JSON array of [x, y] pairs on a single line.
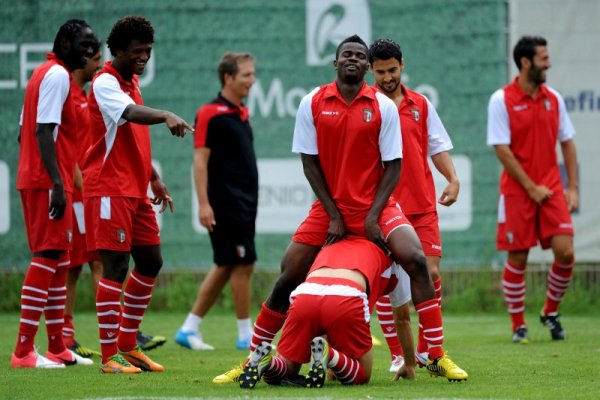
[[457, 52]]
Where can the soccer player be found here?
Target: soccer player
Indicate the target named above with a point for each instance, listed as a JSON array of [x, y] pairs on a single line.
[[226, 178], [423, 136], [119, 215], [348, 275], [348, 136], [79, 254], [45, 182], [526, 118]]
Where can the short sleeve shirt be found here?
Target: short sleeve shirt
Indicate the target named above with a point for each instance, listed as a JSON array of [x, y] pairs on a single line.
[[119, 161], [423, 135], [47, 101], [531, 127], [225, 129], [351, 140]]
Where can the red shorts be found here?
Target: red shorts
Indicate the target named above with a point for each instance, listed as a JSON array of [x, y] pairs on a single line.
[[313, 230], [315, 311], [79, 254], [522, 223], [427, 226], [44, 233], [117, 223]]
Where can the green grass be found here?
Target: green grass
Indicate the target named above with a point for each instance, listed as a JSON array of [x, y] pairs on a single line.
[[498, 369]]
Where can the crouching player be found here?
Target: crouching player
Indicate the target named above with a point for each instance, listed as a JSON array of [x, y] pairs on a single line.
[[336, 300]]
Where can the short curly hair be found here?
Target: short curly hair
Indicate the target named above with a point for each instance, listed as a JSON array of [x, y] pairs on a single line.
[[127, 29], [384, 49]]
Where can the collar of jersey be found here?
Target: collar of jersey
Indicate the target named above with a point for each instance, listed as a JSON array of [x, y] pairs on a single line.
[[331, 90]]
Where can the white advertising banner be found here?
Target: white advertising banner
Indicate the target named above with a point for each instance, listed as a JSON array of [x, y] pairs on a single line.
[[4, 198], [572, 31]]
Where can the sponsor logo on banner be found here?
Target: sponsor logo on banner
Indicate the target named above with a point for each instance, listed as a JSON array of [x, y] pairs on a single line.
[[328, 22]]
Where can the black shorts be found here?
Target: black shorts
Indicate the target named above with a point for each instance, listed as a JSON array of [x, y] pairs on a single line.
[[233, 243]]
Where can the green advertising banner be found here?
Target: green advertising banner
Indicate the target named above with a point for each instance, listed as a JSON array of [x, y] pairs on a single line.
[[455, 53]]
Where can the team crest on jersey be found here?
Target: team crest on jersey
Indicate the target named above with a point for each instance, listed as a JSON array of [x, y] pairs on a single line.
[[241, 251], [69, 235], [416, 114], [367, 114], [120, 235], [510, 237], [547, 105]]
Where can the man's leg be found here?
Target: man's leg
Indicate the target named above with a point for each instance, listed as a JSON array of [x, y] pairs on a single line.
[[347, 370], [210, 289], [241, 279], [559, 279], [514, 289], [68, 327], [385, 316]]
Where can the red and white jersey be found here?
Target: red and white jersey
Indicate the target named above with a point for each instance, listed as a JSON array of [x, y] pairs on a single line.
[[382, 275], [531, 128], [119, 161], [80, 103], [47, 101], [352, 141], [423, 135]]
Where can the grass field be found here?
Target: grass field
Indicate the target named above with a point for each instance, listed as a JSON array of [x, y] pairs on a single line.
[[498, 369]]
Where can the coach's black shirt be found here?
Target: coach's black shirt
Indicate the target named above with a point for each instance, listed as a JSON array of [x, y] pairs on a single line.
[[225, 129]]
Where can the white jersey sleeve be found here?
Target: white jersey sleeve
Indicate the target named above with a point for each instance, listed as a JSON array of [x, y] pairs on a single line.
[[401, 293], [111, 99], [498, 127], [437, 137], [566, 130], [54, 90], [305, 132], [390, 136]]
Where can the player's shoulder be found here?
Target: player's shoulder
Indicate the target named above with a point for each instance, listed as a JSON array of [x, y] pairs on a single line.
[[385, 103], [104, 78], [213, 109], [553, 92], [498, 95]]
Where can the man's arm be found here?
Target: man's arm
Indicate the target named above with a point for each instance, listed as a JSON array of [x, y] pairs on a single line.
[[314, 175], [207, 216], [45, 140], [443, 163], [537, 193], [390, 178], [150, 116], [570, 159], [78, 178], [402, 322], [160, 191]]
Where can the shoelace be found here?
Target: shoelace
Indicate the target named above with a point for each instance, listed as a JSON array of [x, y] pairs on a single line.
[[119, 358]]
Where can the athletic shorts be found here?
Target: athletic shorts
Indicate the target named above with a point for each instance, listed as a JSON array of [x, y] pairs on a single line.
[[233, 244], [117, 223], [313, 230], [44, 233], [522, 223], [79, 254], [334, 307], [427, 226]]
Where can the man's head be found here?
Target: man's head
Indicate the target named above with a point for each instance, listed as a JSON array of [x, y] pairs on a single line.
[[236, 73], [92, 65], [385, 57], [351, 60], [73, 43], [130, 42], [532, 59]]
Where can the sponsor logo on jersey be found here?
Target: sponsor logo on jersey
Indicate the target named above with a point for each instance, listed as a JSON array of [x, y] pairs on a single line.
[[520, 107], [330, 113], [367, 114]]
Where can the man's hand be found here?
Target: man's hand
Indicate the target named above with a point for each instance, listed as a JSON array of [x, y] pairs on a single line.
[[375, 235], [177, 126], [450, 194], [336, 231], [572, 199], [161, 195], [58, 202], [405, 373], [539, 193], [207, 217]]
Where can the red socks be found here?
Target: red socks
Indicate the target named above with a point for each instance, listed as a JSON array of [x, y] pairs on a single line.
[[108, 308], [138, 292], [513, 287], [430, 319], [385, 315], [268, 323], [55, 306], [347, 370], [559, 279]]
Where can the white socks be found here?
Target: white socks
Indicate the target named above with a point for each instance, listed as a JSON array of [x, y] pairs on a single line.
[[244, 328], [192, 323]]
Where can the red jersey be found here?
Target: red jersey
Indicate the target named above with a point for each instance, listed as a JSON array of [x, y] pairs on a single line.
[[531, 127], [83, 139], [362, 255], [47, 100], [119, 162], [423, 135], [351, 140]]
